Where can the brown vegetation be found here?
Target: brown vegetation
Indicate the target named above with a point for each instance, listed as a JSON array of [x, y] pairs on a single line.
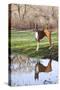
[[27, 16]]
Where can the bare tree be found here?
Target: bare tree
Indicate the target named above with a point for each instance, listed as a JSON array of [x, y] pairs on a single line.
[[18, 6], [24, 11]]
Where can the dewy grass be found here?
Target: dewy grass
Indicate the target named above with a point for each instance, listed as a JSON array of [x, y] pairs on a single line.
[[23, 42]]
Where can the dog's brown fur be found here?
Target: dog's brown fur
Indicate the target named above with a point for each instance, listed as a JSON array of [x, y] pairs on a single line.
[[42, 34], [41, 68]]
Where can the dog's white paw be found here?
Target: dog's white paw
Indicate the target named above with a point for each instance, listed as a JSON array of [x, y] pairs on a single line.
[[37, 49], [51, 46]]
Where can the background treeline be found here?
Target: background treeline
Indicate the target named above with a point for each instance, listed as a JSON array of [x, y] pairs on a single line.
[[27, 16]]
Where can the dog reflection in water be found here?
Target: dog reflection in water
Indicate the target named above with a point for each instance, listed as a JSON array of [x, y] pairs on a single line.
[[41, 68]]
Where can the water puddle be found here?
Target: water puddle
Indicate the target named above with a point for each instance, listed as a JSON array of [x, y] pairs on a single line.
[[22, 73]]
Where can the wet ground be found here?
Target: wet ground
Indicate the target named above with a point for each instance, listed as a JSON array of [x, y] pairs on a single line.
[[23, 71]]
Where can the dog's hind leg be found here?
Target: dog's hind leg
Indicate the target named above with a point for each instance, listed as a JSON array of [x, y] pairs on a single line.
[[48, 34]]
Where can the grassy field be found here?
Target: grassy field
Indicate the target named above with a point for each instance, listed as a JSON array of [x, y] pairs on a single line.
[[25, 43]]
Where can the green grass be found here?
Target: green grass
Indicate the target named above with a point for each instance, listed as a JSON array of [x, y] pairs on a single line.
[[25, 43]]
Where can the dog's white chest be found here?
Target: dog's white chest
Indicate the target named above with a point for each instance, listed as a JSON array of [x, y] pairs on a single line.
[[37, 69], [36, 35]]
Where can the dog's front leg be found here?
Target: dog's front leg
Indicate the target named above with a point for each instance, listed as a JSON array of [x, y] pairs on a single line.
[[37, 46]]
